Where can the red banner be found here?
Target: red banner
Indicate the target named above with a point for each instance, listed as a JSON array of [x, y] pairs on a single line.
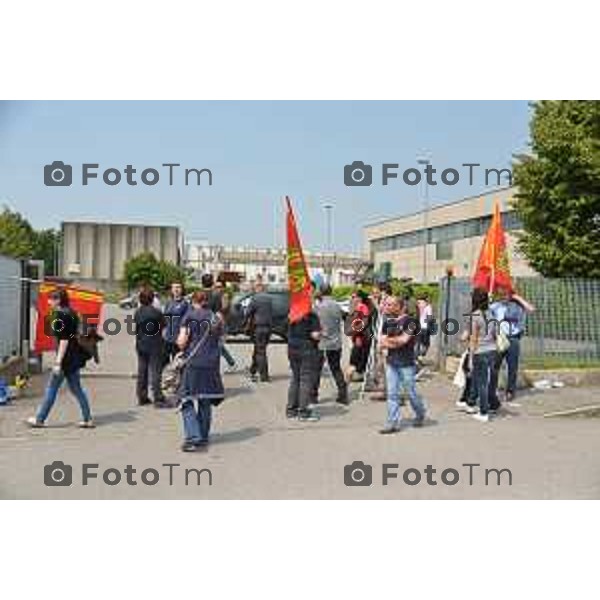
[[493, 268], [299, 281], [86, 303]]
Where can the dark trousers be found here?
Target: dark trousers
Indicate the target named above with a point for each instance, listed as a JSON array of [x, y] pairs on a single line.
[[260, 361], [150, 366], [170, 349], [512, 357], [227, 356], [304, 365], [483, 365], [422, 343], [334, 359]]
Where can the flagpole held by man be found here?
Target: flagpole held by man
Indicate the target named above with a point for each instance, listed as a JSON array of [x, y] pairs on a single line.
[[304, 328]]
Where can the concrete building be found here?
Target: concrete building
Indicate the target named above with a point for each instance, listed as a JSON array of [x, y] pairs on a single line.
[[423, 245], [94, 254], [268, 263]]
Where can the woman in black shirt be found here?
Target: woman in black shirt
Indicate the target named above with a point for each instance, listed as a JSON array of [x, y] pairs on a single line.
[[67, 364]]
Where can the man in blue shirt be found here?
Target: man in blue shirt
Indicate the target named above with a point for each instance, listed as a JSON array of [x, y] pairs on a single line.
[[510, 310], [174, 312]]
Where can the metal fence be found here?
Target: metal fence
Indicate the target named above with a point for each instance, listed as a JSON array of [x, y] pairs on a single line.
[[10, 307], [564, 330]]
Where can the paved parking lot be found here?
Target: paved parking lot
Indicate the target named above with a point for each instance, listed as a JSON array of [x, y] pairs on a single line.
[[257, 453]]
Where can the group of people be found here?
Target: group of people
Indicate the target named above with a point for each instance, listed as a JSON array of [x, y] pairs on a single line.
[[189, 333], [493, 335]]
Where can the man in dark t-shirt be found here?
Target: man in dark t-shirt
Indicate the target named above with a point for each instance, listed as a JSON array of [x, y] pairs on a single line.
[[303, 354], [398, 336], [149, 346]]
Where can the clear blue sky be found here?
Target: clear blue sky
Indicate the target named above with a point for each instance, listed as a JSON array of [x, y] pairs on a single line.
[[257, 151]]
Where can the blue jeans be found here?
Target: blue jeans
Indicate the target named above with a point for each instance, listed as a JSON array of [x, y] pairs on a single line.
[[483, 369], [398, 378], [54, 384], [512, 356], [196, 423]]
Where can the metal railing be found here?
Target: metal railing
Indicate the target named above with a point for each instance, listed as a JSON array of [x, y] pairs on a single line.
[[563, 331], [10, 307]]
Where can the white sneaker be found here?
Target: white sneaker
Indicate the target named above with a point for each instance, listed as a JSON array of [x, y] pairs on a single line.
[[461, 405], [472, 410], [33, 422], [481, 418]]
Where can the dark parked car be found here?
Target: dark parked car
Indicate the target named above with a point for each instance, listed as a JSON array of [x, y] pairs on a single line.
[[239, 305]]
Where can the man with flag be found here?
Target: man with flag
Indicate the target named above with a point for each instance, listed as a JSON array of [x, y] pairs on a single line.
[[509, 310], [304, 329]]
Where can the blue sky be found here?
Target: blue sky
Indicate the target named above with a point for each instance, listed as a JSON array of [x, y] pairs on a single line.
[[258, 152]]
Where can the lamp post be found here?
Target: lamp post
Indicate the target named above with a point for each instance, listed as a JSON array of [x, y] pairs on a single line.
[[424, 161], [328, 208]]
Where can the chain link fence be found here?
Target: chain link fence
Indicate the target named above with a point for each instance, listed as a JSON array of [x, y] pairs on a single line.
[[10, 308], [564, 330]]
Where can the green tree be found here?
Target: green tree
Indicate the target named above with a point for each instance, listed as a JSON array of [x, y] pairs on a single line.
[[146, 269], [17, 237], [45, 247], [558, 198]]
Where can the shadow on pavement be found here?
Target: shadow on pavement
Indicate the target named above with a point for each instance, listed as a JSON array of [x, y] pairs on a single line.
[[238, 435], [128, 416]]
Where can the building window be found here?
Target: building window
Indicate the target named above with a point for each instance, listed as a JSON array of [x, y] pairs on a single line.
[[443, 251], [444, 233], [385, 270]]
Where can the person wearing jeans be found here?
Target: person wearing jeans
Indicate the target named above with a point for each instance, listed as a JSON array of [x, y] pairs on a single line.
[[402, 378], [73, 380], [400, 370], [511, 313], [67, 365], [201, 384], [481, 335]]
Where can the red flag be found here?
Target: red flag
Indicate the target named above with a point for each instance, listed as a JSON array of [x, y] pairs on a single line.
[[299, 281], [493, 268]]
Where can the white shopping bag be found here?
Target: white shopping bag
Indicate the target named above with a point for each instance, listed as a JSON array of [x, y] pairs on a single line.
[[460, 379]]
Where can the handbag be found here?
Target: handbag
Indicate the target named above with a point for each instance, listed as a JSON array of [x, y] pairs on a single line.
[[173, 372], [502, 342]]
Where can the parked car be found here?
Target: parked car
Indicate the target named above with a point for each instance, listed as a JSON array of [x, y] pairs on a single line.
[[129, 302], [236, 319]]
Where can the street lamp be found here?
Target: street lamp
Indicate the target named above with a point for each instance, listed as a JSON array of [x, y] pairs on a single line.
[[328, 207], [424, 161]]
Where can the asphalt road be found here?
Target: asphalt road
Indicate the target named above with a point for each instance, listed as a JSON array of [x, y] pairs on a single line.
[[257, 453]]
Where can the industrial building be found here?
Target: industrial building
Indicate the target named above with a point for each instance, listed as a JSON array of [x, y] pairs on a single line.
[[94, 254], [269, 264], [423, 245]]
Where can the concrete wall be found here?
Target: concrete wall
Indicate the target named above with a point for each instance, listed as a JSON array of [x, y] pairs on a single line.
[[94, 254]]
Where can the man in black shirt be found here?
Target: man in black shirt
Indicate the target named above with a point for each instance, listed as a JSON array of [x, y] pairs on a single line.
[[149, 346], [398, 335], [260, 319], [303, 354]]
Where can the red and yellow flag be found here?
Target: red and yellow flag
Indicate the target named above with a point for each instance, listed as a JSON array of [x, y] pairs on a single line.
[[493, 268], [299, 281]]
